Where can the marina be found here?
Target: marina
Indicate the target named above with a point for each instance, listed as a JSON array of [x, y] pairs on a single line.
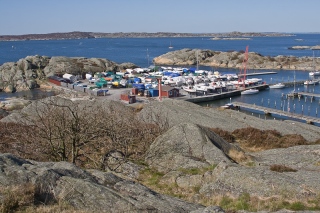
[[141, 51]]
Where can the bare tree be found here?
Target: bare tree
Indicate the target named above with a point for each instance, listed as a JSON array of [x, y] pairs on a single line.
[[83, 132]]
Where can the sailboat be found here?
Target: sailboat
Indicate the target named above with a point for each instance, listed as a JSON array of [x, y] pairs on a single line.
[[314, 72], [170, 47], [294, 93]]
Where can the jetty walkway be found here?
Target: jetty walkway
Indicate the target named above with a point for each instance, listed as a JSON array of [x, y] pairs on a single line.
[[218, 96], [312, 95], [270, 111], [257, 73]]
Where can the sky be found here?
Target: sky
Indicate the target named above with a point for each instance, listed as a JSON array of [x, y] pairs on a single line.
[[18, 17]]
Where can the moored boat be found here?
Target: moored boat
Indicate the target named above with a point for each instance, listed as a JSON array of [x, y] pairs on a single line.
[[249, 92], [311, 82], [277, 86], [314, 73]]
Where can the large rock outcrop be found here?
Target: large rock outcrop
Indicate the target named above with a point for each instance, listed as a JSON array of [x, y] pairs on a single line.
[[92, 190], [27, 72], [234, 59], [260, 181], [190, 146]]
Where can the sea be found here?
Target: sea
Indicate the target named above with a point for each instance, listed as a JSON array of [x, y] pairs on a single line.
[[141, 52]]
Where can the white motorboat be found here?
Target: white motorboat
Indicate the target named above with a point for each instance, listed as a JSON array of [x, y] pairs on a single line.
[[277, 86], [314, 73], [190, 89], [311, 82], [249, 92]]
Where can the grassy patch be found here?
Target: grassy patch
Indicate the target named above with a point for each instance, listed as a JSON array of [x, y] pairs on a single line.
[[250, 164], [253, 204], [197, 171], [151, 176], [245, 201]]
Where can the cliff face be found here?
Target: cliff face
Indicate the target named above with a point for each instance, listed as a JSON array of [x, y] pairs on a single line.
[[188, 57]]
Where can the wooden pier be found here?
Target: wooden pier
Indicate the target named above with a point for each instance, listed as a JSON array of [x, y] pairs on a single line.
[[257, 73], [218, 96], [270, 111], [312, 95]]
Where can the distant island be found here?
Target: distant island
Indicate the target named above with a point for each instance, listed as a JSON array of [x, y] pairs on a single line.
[[83, 35]]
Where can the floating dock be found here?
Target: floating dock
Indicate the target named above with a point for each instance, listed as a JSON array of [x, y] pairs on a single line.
[[312, 95], [218, 96], [257, 73], [270, 111]]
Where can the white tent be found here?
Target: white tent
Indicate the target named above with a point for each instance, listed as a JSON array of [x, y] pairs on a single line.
[[72, 78]]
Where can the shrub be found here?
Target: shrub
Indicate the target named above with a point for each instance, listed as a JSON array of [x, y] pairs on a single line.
[[227, 136], [254, 139]]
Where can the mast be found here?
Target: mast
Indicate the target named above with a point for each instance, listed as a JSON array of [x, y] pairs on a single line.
[[294, 81], [148, 56], [197, 60], [244, 65]]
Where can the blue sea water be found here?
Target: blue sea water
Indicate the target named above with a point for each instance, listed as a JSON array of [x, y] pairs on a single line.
[[141, 51]]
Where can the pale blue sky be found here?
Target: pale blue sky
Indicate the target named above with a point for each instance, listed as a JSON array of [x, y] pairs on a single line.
[[19, 17]]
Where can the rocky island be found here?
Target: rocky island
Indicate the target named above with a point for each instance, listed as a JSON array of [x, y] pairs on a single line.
[[79, 35], [234, 59]]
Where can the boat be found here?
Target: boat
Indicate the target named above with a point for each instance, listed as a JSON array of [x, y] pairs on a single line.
[[170, 47], [229, 106], [314, 72], [249, 92], [189, 89], [277, 86], [311, 82]]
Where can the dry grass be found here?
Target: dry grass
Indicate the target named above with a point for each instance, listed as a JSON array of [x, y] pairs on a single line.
[[22, 198], [227, 136], [17, 197], [239, 156], [281, 168], [253, 203], [252, 139]]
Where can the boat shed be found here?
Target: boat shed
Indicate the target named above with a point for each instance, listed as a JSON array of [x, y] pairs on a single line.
[[169, 92], [57, 80], [153, 92]]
